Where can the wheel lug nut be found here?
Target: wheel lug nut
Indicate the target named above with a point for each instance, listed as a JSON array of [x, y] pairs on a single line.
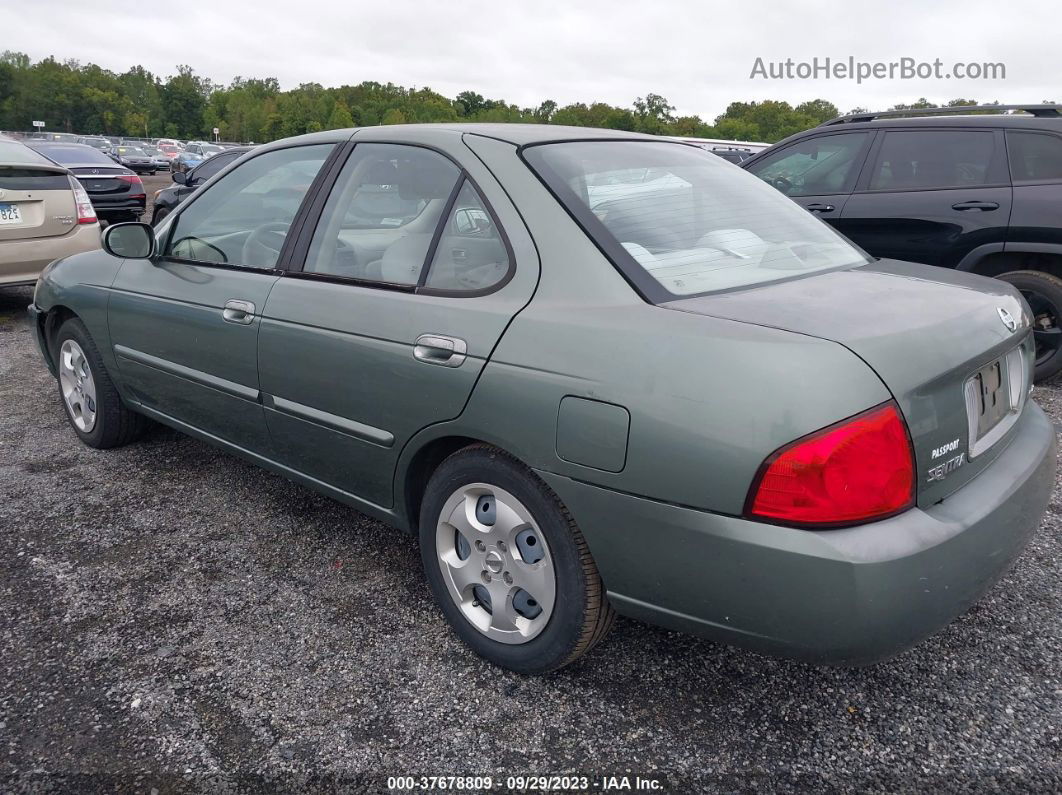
[[486, 576], [480, 546], [501, 546], [508, 578]]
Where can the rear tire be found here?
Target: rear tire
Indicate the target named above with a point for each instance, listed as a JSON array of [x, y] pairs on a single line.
[[1043, 292], [158, 217], [569, 594], [91, 401]]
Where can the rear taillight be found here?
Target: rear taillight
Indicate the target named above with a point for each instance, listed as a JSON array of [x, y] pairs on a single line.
[[85, 212], [135, 182], [852, 472]]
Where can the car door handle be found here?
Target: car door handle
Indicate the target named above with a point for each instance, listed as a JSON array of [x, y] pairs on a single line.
[[237, 311], [820, 208], [440, 349], [976, 205]]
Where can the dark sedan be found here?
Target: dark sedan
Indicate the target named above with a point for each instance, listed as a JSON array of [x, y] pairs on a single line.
[[135, 158], [117, 193], [186, 182]]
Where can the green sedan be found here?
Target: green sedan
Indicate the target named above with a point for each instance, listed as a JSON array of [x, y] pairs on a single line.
[[597, 373]]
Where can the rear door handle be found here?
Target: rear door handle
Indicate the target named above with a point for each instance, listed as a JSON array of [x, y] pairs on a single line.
[[237, 311], [820, 208], [440, 349], [976, 205]]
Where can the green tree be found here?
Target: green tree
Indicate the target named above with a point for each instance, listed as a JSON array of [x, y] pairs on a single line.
[[340, 118]]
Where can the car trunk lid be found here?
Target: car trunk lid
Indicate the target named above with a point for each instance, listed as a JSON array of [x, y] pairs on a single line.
[[932, 335], [42, 199], [102, 181]]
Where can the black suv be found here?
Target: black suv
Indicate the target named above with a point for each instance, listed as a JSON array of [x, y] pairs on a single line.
[[980, 192]]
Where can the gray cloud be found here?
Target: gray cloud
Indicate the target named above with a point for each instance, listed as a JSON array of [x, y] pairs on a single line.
[[698, 54]]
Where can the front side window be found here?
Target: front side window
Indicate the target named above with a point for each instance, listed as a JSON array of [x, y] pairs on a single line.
[[1034, 157], [684, 218], [243, 219], [917, 159], [211, 167], [381, 217], [813, 167]]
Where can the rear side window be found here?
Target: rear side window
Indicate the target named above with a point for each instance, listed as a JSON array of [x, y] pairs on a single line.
[[381, 217], [75, 154], [471, 253], [1034, 157], [243, 219], [917, 159], [31, 179], [816, 166]]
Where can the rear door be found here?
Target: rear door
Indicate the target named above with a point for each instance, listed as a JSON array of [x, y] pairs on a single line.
[[818, 172], [1036, 170], [415, 268], [931, 195], [185, 326]]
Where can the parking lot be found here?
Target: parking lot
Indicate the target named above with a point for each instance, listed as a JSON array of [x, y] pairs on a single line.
[[176, 619]]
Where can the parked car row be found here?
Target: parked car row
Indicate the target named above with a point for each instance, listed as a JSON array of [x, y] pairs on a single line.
[[595, 372]]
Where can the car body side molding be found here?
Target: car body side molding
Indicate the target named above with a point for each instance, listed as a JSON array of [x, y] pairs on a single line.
[[187, 373]]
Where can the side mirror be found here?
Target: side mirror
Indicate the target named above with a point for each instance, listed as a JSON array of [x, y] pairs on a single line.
[[129, 241], [180, 177]]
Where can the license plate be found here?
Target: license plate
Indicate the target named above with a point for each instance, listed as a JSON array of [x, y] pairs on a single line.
[[10, 214], [992, 402], [995, 396]]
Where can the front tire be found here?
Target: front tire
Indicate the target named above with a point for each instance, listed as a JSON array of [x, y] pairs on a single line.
[[507, 564], [1043, 292], [91, 401]]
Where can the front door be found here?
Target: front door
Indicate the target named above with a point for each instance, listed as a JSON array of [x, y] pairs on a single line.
[[185, 326], [816, 172], [931, 195], [407, 285]]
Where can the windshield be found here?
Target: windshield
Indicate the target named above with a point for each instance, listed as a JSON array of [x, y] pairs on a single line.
[[131, 150], [686, 218]]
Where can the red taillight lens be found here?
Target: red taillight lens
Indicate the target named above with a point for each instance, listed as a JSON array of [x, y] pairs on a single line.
[[85, 212], [852, 472], [136, 183]]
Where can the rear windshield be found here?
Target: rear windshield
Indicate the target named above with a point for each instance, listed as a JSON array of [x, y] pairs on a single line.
[[74, 154], [32, 179], [680, 221]]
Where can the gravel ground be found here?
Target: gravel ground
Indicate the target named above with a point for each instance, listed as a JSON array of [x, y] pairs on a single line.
[[174, 619]]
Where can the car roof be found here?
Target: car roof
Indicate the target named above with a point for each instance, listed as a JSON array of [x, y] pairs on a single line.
[[517, 134]]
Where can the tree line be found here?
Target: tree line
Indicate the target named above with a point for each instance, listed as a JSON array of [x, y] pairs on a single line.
[[85, 98]]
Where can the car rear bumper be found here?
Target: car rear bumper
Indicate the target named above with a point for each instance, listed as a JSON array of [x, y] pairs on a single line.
[[21, 261], [848, 596], [108, 207]]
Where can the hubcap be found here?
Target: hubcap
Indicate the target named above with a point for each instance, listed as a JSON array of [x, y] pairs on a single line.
[[78, 386], [496, 564]]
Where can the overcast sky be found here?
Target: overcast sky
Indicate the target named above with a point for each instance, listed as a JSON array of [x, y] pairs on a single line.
[[697, 54]]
